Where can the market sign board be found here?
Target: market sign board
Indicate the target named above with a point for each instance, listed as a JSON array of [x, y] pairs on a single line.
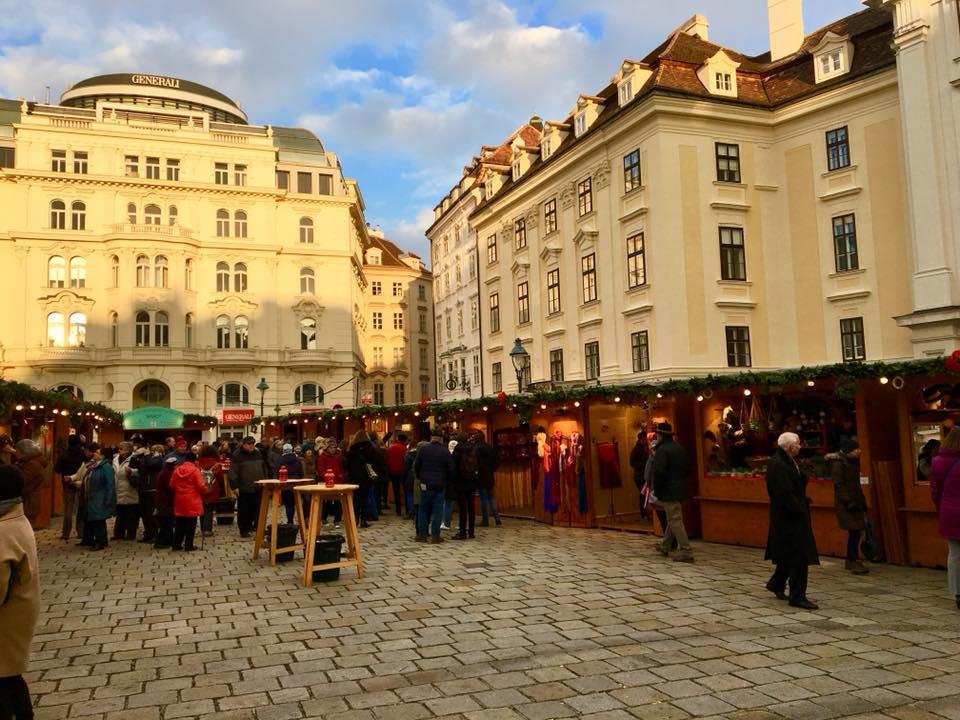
[[153, 418], [236, 416]]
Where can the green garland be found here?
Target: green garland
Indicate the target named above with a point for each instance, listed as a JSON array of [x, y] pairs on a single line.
[[847, 376], [15, 393]]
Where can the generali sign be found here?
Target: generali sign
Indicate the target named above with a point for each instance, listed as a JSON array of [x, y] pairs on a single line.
[[155, 80], [241, 416]]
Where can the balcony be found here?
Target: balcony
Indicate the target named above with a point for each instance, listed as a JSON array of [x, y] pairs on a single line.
[[62, 358], [141, 230]]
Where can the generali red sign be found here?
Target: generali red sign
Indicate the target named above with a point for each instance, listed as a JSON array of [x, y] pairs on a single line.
[[242, 416]]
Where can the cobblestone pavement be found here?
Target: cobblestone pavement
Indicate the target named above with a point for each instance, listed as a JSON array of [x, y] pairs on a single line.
[[526, 622]]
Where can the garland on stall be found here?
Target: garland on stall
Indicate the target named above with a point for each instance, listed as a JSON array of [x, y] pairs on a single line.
[[19, 397], [847, 376]]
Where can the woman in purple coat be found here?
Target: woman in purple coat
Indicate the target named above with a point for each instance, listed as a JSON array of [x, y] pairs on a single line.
[[945, 489]]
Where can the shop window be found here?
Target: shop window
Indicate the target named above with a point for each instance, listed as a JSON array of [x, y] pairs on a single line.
[[56, 272], [838, 149], [640, 351], [556, 365], [845, 243], [733, 261], [852, 340], [728, 162], [738, 346]]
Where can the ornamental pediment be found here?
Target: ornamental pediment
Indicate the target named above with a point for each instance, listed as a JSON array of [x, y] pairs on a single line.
[[520, 267], [308, 308], [585, 236], [550, 249], [65, 298], [233, 303]]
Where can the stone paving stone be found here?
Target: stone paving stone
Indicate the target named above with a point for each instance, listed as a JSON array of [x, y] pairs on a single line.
[[526, 623]]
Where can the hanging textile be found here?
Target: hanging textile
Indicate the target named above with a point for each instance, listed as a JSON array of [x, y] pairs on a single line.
[[608, 460], [576, 462]]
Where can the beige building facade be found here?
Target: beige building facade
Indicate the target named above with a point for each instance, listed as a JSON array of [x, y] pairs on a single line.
[[396, 331], [159, 250], [707, 212]]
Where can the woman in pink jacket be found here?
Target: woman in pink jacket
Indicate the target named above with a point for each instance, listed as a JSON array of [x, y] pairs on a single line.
[[945, 489], [188, 491]]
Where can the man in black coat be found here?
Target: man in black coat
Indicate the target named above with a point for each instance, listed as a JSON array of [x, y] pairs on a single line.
[[670, 487], [790, 543]]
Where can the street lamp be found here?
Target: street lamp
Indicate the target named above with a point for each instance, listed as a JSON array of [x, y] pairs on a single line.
[[262, 387], [521, 361]]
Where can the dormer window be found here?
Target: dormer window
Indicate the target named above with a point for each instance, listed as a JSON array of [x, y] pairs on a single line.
[[723, 82], [373, 256], [625, 92], [488, 188], [516, 171], [719, 75], [832, 57], [545, 148], [580, 123]]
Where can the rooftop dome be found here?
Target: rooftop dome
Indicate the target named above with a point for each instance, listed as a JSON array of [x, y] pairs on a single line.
[[159, 91]]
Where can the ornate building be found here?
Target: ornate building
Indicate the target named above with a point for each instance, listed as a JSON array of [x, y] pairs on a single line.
[[160, 250], [707, 211]]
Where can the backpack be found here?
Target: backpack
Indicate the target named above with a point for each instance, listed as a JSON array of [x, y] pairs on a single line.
[[469, 469]]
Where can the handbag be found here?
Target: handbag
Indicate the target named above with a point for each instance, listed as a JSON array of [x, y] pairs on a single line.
[[870, 545], [371, 473]]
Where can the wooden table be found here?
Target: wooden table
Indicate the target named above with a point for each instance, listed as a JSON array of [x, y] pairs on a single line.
[[270, 501], [318, 494]]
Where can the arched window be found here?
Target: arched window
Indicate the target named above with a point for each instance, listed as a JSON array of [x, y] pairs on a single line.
[[172, 214], [161, 272], [307, 281], [308, 394], [78, 215], [233, 394], [58, 215], [240, 277], [308, 334], [143, 328], [240, 224], [77, 330], [114, 330], [241, 332], [223, 277], [114, 271], [306, 231], [153, 393], [223, 223], [55, 329], [143, 271], [188, 274], [151, 214], [67, 389], [188, 330], [131, 213], [161, 329], [78, 272], [56, 272], [223, 331]]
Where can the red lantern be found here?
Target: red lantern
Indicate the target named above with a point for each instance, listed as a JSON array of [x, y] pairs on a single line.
[[952, 363], [328, 478], [283, 473], [501, 397], [423, 403]]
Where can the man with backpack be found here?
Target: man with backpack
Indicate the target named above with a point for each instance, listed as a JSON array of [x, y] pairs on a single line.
[[466, 474]]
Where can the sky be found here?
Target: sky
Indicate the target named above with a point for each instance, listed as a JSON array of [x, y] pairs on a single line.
[[405, 92]]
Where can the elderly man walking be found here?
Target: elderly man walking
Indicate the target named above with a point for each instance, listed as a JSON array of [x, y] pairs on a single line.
[[790, 542], [670, 487]]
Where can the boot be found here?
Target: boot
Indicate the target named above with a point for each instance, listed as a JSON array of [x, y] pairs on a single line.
[[856, 567]]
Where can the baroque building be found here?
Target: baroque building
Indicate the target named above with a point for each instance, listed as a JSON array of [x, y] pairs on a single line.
[[397, 328], [161, 250], [707, 211]]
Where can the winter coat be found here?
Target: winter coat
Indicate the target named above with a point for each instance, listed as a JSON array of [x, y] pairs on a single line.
[[396, 455], [188, 490], [164, 499], [246, 468], [333, 462], [309, 466], [790, 539], [293, 465], [670, 471], [273, 459], [433, 466], [213, 465], [101, 492], [945, 490], [463, 480], [35, 478], [848, 500], [638, 461], [126, 490], [487, 464], [19, 590], [358, 457], [150, 467], [70, 460]]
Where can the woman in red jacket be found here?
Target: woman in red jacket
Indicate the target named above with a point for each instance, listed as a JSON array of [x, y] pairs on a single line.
[[188, 491], [331, 459], [209, 460]]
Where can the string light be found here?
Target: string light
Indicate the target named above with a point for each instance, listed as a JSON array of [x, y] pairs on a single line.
[[18, 408], [576, 403], [810, 383], [543, 406], [699, 398], [33, 407], [416, 413], [747, 392], [617, 399], [884, 380], [485, 408], [660, 396]]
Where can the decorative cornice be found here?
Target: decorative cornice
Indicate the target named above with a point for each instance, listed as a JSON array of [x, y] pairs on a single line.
[[66, 298], [601, 175], [568, 194]]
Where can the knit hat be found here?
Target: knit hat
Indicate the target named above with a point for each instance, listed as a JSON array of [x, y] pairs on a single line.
[[181, 442], [249, 440], [848, 445], [11, 482], [287, 447]]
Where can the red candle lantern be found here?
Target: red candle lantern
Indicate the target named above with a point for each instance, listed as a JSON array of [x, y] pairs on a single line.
[[329, 479], [282, 474]]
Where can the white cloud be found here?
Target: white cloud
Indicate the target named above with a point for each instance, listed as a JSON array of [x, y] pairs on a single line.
[[219, 56], [408, 234]]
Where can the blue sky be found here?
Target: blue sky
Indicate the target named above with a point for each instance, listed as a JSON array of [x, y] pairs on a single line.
[[404, 92]]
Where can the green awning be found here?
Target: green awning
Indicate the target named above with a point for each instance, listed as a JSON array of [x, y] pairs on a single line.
[[153, 418]]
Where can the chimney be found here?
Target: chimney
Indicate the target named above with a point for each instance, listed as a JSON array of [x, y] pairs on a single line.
[[696, 25], [785, 19]]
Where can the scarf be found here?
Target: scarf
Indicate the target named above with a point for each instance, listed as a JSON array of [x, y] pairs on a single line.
[[8, 505]]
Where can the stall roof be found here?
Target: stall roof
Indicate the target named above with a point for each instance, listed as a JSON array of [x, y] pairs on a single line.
[[153, 418]]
